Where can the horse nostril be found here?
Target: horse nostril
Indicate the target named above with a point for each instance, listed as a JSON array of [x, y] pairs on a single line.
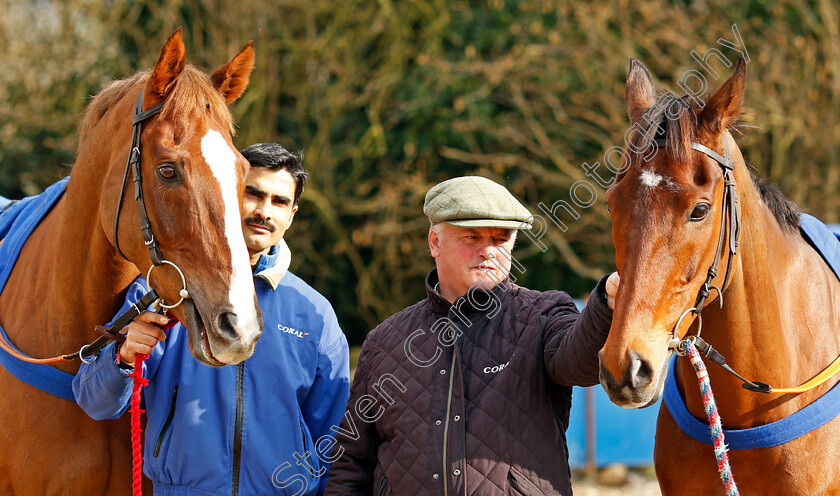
[[640, 372], [607, 379], [226, 322]]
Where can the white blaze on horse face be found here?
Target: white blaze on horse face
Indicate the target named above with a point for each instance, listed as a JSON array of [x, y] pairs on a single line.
[[650, 178], [221, 160]]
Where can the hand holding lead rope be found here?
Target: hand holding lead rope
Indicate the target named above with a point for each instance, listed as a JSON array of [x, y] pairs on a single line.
[[89, 352]]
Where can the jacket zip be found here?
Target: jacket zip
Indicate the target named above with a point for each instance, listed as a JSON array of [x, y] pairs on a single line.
[[302, 434], [237, 430], [303, 440], [446, 425], [382, 484], [167, 422]]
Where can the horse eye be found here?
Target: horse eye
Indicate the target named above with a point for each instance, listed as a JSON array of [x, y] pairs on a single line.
[[167, 172], [699, 212]]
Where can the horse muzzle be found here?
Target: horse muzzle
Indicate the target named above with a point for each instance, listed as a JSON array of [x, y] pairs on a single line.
[[639, 386], [226, 338]]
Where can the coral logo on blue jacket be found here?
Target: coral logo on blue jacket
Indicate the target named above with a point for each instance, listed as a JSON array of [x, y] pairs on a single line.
[[292, 331]]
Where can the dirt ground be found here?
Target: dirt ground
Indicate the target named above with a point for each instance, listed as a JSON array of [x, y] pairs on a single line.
[[637, 482]]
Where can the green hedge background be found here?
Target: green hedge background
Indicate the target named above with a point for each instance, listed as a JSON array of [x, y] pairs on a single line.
[[387, 98]]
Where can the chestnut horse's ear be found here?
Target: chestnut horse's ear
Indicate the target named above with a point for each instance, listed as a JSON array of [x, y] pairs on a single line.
[[725, 105], [170, 65], [232, 78], [638, 93]]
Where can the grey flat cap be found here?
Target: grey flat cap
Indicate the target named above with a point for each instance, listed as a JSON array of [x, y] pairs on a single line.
[[473, 201]]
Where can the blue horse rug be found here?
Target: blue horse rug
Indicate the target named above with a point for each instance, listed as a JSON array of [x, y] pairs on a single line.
[[827, 243], [17, 221]]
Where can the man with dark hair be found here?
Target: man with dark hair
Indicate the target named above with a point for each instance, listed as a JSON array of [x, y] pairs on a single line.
[[258, 427], [274, 156], [272, 191]]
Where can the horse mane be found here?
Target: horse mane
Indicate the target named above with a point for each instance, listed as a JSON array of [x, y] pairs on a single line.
[[681, 131], [785, 211], [192, 94]]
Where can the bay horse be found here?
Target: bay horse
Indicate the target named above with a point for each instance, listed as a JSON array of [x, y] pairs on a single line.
[[774, 316], [72, 273]]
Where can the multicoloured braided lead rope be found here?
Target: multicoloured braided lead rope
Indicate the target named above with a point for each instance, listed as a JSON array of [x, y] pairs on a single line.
[[714, 417]]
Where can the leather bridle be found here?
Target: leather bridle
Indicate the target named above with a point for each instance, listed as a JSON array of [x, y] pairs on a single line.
[[151, 297], [731, 209], [732, 212], [133, 164]]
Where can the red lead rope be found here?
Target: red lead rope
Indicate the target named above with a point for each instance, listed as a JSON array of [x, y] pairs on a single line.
[[136, 431]]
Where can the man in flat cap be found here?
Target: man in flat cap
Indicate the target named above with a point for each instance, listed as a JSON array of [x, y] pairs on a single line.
[[468, 391]]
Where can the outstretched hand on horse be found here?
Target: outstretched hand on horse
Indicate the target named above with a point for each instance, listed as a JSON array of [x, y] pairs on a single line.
[[142, 336], [612, 289]]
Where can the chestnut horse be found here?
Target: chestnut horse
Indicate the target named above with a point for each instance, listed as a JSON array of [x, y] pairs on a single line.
[[777, 322], [70, 276]]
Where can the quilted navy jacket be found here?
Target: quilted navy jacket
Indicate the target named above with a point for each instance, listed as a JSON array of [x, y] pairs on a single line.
[[470, 398], [278, 405]]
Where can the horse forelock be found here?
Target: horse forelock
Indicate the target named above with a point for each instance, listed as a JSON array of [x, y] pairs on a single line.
[[672, 118], [192, 95], [675, 119]]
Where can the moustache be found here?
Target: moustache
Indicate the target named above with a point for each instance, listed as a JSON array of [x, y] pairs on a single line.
[[262, 223]]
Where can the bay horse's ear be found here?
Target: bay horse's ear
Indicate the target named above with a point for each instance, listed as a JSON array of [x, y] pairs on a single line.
[[639, 93], [725, 105], [170, 65], [232, 78]]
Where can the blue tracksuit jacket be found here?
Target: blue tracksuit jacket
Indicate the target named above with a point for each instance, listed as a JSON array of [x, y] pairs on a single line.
[[290, 392]]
